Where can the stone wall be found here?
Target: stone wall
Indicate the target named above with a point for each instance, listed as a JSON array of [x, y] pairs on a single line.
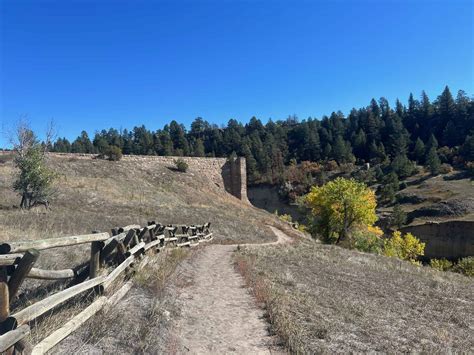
[[452, 239], [229, 175]]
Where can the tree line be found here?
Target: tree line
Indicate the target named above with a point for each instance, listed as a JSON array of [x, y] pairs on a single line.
[[423, 131]]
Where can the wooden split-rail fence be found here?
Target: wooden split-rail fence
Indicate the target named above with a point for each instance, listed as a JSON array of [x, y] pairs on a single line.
[[112, 256]]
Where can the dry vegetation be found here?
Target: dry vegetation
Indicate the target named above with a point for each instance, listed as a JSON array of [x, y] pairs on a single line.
[[141, 322], [324, 299], [98, 195], [437, 198]]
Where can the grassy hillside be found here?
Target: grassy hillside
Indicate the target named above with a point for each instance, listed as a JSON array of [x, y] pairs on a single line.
[[325, 299], [98, 195]]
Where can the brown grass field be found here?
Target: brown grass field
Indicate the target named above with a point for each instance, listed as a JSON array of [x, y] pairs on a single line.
[[325, 299]]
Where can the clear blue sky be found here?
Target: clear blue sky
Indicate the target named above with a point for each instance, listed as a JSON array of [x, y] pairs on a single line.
[[99, 64]]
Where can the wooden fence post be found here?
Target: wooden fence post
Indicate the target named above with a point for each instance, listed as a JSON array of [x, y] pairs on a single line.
[[94, 265], [21, 271], [4, 300]]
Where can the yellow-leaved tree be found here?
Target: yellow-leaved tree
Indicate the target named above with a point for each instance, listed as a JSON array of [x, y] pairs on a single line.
[[339, 206], [405, 247]]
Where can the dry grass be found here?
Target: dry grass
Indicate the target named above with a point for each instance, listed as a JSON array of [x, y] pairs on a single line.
[[141, 322], [98, 195], [324, 299]]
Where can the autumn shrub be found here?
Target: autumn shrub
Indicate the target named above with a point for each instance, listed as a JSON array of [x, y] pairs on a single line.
[[181, 165], [465, 266], [405, 247], [441, 264], [368, 240]]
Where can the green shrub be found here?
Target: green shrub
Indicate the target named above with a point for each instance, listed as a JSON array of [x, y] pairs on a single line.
[[113, 153], [465, 266], [441, 264], [368, 241], [286, 218], [181, 165]]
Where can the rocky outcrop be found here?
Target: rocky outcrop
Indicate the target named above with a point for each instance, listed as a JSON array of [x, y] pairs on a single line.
[[451, 239]]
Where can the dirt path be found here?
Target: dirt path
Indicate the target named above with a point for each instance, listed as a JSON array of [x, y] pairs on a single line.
[[218, 313]]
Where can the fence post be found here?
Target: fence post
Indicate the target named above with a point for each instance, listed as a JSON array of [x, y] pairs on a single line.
[[4, 302], [21, 271], [94, 266], [4, 295]]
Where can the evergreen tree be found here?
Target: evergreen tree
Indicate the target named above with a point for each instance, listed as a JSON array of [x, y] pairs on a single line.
[[467, 149], [432, 161], [390, 187], [398, 217], [419, 151], [199, 148]]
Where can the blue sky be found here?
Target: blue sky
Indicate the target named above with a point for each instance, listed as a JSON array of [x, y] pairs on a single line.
[[99, 64]]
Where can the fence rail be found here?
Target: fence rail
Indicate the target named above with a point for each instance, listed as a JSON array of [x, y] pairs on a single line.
[[111, 255]]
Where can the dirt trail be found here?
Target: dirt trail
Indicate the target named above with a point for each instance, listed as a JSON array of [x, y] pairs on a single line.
[[218, 313]]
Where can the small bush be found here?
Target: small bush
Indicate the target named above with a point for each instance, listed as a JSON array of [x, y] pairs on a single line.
[[441, 264], [286, 218], [368, 241], [406, 247], [470, 168], [465, 266], [181, 165], [113, 153], [445, 169]]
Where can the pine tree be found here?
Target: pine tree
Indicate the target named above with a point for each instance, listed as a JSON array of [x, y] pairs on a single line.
[[432, 161], [467, 149], [389, 187], [398, 217], [199, 148], [432, 143], [419, 151]]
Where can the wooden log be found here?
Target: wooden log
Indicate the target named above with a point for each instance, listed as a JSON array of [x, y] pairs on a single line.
[[51, 274], [17, 247], [94, 265], [9, 339], [59, 334], [43, 306], [108, 250], [4, 295], [117, 272], [10, 259], [135, 249], [185, 244], [152, 244], [129, 237], [136, 240], [132, 226], [22, 270]]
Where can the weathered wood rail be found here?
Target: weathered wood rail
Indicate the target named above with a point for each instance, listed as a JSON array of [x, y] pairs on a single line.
[[124, 251]]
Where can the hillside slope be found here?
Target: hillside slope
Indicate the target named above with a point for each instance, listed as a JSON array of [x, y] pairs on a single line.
[[94, 194]]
